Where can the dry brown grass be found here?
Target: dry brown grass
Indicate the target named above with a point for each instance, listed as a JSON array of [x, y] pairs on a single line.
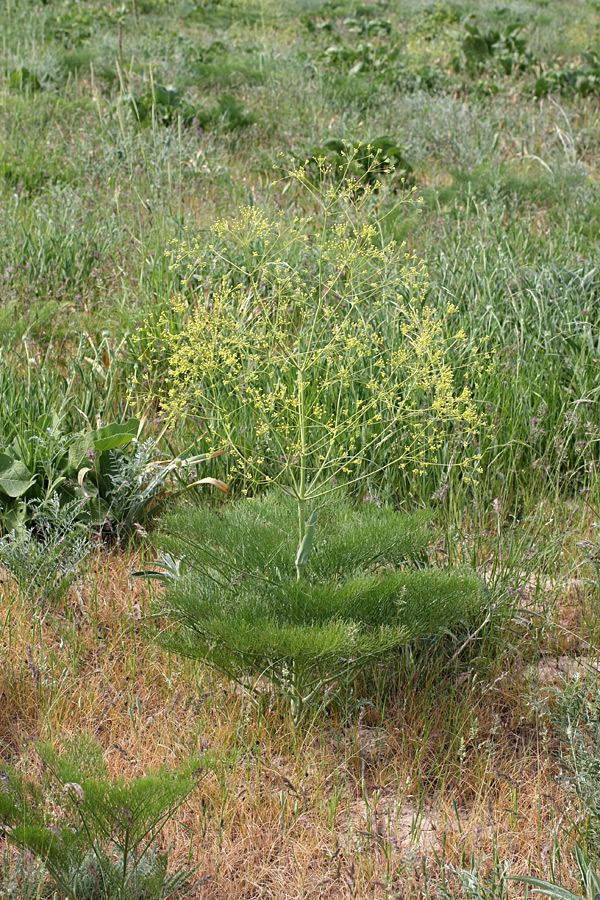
[[451, 765]]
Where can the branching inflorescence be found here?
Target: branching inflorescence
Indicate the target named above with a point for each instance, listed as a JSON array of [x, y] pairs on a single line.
[[309, 352]]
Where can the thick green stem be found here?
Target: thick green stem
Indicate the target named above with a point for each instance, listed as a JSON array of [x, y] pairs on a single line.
[[301, 520]]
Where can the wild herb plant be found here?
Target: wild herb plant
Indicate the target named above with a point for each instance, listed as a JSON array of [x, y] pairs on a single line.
[[22, 878], [96, 837], [167, 107], [46, 556], [309, 352], [504, 49], [230, 591], [581, 77], [364, 57], [374, 161]]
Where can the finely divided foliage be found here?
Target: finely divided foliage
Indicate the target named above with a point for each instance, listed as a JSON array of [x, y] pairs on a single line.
[[314, 362], [239, 607], [95, 835]]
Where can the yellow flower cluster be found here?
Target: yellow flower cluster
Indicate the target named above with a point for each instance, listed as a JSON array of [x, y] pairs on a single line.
[[311, 360]]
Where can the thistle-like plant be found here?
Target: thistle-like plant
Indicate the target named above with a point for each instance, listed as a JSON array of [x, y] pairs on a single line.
[[308, 351]]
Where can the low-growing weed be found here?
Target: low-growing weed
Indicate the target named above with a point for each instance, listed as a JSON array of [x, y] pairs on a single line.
[[505, 50], [23, 80], [161, 105], [45, 555], [371, 162], [166, 106], [96, 838], [363, 58], [581, 79]]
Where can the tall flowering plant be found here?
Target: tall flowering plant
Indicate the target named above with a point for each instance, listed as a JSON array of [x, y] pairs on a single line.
[[309, 353]]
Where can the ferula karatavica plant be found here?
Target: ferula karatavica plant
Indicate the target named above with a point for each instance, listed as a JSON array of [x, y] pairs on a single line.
[[308, 352]]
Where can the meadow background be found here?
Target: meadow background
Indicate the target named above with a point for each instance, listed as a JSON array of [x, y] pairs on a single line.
[[121, 125]]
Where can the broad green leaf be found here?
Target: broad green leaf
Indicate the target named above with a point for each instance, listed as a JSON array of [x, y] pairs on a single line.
[[78, 450], [15, 477], [23, 448], [116, 435], [107, 470], [164, 95], [23, 78], [14, 519], [98, 510]]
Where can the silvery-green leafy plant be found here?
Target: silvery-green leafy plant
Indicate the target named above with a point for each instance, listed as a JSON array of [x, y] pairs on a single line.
[[22, 878], [46, 556]]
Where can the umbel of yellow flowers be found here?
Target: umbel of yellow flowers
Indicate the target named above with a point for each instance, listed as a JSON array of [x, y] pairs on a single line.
[[307, 351]]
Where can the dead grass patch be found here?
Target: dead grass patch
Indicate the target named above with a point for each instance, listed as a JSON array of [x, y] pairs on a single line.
[[448, 768]]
